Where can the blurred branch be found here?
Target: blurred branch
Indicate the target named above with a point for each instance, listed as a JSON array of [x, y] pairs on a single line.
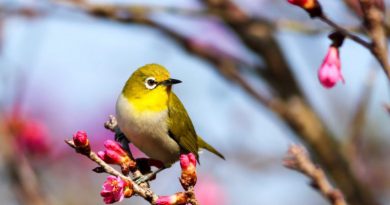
[[298, 159], [258, 35], [137, 9], [374, 22], [23, 178], [354, 142]]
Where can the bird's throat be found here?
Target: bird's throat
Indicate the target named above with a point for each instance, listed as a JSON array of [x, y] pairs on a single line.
[[152, 102]]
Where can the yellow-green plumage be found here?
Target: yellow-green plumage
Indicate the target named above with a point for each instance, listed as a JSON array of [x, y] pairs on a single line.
[[154, 119]]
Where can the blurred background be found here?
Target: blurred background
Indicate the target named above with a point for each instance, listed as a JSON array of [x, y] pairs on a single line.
[[63, 64]]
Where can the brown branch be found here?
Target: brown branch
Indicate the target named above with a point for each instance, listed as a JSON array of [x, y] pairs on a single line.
[[374, 22], [294, 110], [298, 159], [354, 141]]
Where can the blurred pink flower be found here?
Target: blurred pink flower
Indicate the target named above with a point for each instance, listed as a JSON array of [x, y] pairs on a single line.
[[330, 71], [209, 192], [30, 135], [33, 137], [113, 189]]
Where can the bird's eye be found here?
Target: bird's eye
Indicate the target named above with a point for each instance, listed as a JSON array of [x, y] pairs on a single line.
[[150, 83]]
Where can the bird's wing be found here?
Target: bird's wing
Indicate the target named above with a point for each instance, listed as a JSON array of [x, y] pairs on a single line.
[[180, 126]]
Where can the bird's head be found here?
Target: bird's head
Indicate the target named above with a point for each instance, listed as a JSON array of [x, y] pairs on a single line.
[[151, 81]]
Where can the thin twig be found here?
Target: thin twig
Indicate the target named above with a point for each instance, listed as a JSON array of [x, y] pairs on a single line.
[[298, 159], [347, 33]]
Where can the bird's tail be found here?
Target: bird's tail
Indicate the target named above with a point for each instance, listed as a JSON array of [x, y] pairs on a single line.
[[205, 145]]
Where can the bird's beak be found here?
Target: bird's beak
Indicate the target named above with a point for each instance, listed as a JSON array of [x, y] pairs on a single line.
[[170, 81]]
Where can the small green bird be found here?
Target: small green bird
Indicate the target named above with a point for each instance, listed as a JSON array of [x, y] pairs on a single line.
[[153, 118]]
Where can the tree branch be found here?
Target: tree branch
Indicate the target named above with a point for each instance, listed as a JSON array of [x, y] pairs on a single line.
[[298, 159]]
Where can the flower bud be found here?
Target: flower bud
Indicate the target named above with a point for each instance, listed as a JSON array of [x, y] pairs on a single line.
[[188, 166], [114, 154], [311, 6], [176, 199], [81, 142], [330, 71], [80, 139]]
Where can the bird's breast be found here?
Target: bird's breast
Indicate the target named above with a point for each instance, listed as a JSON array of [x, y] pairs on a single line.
[[147, 130]]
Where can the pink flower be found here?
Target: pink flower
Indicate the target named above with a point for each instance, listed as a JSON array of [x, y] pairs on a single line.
[[80, 139], [188, 170], [176, 199], [114, 154], [113, 190], [330, 70]]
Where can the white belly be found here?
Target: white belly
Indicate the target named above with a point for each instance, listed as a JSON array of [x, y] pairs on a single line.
[[147, 131]]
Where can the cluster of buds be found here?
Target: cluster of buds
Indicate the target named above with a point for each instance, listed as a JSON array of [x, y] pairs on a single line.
[[115, 189], [81, 142], [114, 154], [188, 170], [312, 7], [330, 71], [187, 179]]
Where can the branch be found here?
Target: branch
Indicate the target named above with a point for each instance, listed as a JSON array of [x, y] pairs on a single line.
[[374, 22], [145, 193], [347, 33], [298, 159]]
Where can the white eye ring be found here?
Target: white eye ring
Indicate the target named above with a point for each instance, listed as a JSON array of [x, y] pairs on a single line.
[[150, 83]]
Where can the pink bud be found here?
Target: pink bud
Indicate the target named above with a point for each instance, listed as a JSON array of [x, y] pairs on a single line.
[[187, 160], [305, 4], [80, 139], [176, 199], [330, 70], [113, 190], [111, 145], [114, 154]]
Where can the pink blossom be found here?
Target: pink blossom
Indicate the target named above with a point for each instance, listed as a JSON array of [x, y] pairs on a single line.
[[330, 71], [113, 189]]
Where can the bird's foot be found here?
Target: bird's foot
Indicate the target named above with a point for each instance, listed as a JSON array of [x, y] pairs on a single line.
[[147, 177]]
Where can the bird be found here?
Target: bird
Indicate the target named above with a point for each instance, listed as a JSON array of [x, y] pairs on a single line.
[[152, 117]]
